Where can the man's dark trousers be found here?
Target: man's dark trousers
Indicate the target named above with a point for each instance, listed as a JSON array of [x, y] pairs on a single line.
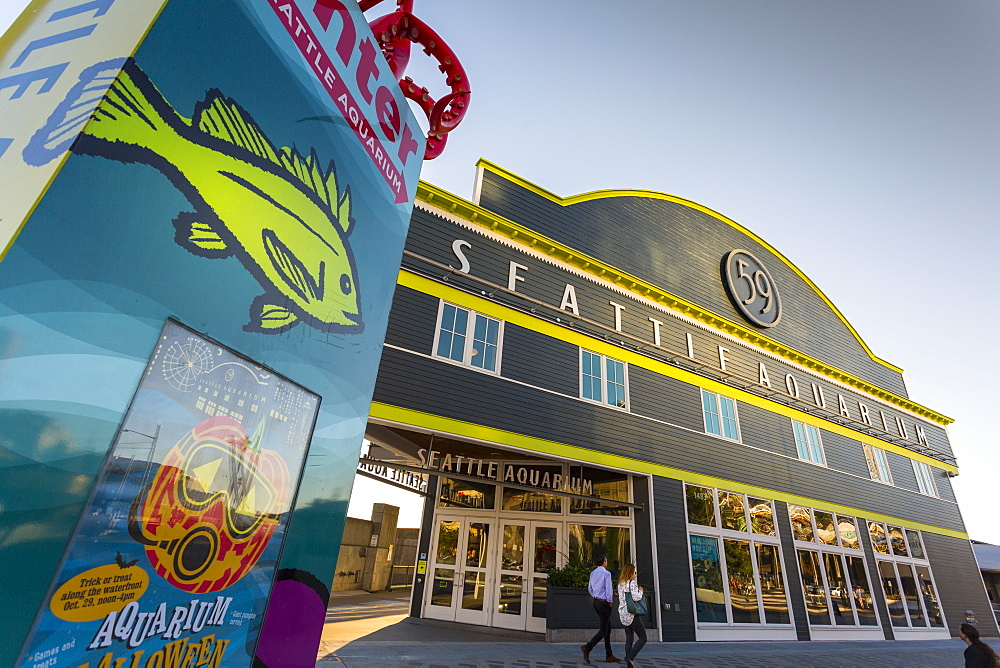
[[603, 609]]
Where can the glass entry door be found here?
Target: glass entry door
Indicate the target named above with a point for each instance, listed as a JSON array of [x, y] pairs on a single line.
[[460, 573], [526, 551]]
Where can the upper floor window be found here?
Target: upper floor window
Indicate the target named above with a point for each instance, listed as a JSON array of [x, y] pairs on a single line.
[[468, 337], [878, 465], [808, 443], [603, 379], [720, 415], [925, 480]]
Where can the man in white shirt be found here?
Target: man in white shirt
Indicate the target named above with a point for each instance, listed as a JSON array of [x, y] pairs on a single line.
[[601, 591]]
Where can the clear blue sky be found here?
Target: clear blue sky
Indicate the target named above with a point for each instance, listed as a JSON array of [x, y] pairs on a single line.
[[859, 138]]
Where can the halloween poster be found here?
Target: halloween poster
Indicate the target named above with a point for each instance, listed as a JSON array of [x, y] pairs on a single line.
[[173, 559]]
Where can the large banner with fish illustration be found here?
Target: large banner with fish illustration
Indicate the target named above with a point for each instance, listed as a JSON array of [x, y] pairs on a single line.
[[246, 168], [178, 545]]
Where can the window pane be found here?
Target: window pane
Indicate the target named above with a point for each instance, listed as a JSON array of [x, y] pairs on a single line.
[[512, 550], [545, 549], [477, 548], [840, 592], [883, 466], [605, 484], [742, 591], [484, 346], [466, 494], [712, 424], [772, 585], [898, 541], [591, 376], [700, 506], [893, 597], [510, 595], [847, 528], [614, 542], [732, 512], [862, 594], [801, 523], [812, 588], [457, 351], [873, 470], [913, 606], [448, 542], [801, 445], [729, 427], [929, 597], [523, 500], [616, 383], [826, 531], [879, 542], [761, 517], [815, 449], [710, 600], [913, 540]]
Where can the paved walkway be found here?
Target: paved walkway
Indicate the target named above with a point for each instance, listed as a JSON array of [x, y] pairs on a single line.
[[373, 631]]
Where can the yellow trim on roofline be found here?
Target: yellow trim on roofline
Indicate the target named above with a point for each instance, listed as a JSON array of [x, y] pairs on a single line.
[[652, 194], [439, 424], [574, 337], [477, 215]]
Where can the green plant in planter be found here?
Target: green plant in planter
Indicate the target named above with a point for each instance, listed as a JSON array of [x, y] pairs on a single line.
[[573, 574]]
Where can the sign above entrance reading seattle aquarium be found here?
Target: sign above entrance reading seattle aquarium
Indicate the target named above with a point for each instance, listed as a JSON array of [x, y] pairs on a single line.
[[202, 214]]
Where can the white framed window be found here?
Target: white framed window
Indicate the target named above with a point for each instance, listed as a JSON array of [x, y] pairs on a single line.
[[720, 415], [737, 569], [808, 443], [878, 465], [835, 581], [468, 338], [925, 479], [907, 582], [603, 379]]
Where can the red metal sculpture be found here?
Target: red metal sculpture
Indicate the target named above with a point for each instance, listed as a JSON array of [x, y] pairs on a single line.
[[394, 33]]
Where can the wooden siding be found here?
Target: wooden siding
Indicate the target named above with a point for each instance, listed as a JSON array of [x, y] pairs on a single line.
[[674, 568]]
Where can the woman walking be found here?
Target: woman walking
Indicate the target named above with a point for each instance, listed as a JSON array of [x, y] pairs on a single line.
[[627, 586], [978, 654]]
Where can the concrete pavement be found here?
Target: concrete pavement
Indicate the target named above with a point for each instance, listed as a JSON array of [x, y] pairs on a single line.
[[373, 631]]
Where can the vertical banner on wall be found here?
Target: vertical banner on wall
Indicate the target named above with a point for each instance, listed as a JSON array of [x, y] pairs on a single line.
[[246, 167], [172, 562]]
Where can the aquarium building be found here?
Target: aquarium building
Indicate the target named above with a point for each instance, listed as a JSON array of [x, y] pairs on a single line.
[[635, 374]]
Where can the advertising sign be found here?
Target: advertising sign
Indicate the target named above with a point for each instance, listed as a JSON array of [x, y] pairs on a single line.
[[173, 560], [247, 169]]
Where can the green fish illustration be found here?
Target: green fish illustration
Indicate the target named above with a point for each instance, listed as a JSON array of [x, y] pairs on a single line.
[[276, 210]]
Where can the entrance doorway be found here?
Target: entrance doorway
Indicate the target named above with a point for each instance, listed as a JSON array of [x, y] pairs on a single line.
[[491, 571]]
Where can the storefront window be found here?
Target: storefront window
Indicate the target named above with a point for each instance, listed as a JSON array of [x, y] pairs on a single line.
[[898, 542], [864, 605], [772, 585], [742, 590], [586, 541], [848, 532], [826, 531], [710, 600], [879, 542], [467, 494], [610, 485], [913, 540], [893, 595], [813, 588], [700, 505], [929, 596], [801, 518], [523, 500], [761, 517], [906, 577], [732, 511]]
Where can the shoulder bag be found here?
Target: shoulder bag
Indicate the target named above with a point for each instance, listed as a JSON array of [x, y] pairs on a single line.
[[635, 607]]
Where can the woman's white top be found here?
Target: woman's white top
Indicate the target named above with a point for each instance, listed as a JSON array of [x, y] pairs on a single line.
[[632, 588]]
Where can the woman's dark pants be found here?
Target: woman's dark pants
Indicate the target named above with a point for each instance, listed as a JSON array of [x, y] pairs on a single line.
[[635, 628]]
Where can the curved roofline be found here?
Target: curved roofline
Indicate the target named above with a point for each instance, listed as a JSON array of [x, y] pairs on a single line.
[[652, 194]]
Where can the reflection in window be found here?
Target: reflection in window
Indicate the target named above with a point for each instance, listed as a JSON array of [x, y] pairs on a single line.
[[700, 506], [523, 500], [897, 541], [913, 540], [448, 542], [840, 590], [611, 485], [879, 542], [545, 549], [478, 347], [761, 517], [720, 415], [614, 542], [512, 555], [801, 518], [603, 379], [477, 549], [710, 600], [742, 590], [861, 592], [812, 587], [826, 531], [510, 595], [893, 597], [925, 479], [467, 494], [878, 465], [929, 596], [772, 585], [909, 586], [732, 511], [848, 530]]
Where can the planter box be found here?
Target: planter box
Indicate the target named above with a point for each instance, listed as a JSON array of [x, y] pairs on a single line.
[[573, 608]]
